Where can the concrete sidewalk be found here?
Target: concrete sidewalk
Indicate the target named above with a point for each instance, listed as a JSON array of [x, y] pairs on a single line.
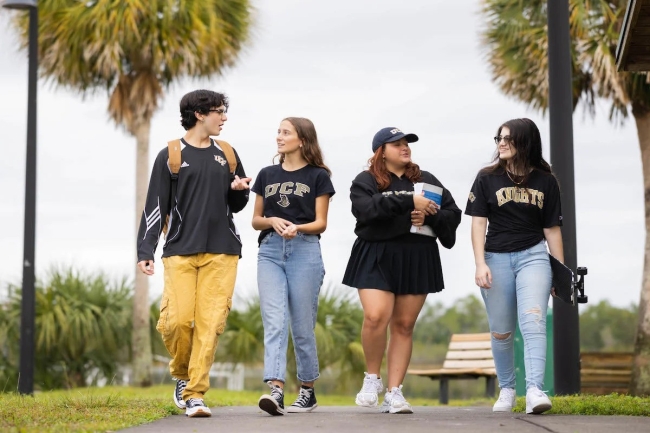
[[441, 419]]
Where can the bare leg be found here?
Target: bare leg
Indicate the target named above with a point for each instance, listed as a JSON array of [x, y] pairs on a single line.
[[405, 313], [377, 310]]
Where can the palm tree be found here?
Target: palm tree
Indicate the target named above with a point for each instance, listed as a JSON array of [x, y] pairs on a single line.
[[516, 42], [9, 340], [80, 325], [134, 50]]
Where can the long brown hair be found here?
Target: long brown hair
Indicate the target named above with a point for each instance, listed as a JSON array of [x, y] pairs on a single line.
[[310, 148], [377, 167]]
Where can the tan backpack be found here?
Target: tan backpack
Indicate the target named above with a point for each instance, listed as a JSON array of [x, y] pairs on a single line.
[[174, 148]]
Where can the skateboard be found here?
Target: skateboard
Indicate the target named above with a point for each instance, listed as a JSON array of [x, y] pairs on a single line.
[[567, 287]]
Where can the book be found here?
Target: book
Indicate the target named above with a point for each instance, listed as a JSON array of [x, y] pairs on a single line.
[[432, 192]]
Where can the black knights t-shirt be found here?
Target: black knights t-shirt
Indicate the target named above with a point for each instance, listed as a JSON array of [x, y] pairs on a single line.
[[517, 216], [291, 195]]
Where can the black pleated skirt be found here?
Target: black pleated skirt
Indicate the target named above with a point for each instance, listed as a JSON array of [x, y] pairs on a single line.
[[408, 265]]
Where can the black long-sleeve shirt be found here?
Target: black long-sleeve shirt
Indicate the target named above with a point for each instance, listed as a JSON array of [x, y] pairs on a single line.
[[387, 214], [201, 214]]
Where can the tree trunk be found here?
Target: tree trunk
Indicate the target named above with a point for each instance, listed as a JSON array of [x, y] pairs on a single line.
[[640, 384], [141, 335]]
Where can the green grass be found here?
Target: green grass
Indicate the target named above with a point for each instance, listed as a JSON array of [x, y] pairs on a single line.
[[113, 408], [612, 404], [83, 410]]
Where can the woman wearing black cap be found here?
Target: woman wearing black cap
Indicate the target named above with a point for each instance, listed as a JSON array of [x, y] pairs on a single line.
[[393, 268]]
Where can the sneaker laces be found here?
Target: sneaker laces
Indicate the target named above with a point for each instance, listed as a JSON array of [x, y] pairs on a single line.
[[276, 391], [371, 385], [303, 398], [536, 392], [195, 402], [180, 387], [396, 395]]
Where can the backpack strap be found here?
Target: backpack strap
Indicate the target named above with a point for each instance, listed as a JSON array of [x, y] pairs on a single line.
[[230, 154], [174, 148]]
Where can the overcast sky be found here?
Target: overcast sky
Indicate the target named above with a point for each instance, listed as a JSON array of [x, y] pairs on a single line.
[[352, 67]]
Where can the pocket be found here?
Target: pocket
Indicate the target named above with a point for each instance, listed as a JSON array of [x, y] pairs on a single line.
[[222, 324], [487, 255], [164, 311], [266, 239], [312, 239], [540, 248]]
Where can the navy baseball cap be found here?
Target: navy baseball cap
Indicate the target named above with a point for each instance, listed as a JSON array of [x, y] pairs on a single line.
[[390, 134]]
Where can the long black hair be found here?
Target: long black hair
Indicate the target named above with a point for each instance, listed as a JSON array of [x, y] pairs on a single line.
[[527, 141]]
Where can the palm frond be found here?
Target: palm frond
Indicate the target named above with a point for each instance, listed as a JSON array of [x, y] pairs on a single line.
[[516, 45], [135, 49]]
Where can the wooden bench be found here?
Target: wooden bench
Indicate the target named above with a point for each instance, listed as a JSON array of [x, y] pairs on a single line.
[[603, 373], [469, 356]]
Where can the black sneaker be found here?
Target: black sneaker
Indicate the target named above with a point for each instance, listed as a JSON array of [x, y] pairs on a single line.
[[272, 404], [196, 408], [306, 401], [178, 393]]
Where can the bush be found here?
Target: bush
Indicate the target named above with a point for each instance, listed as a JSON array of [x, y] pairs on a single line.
[[82, 330]]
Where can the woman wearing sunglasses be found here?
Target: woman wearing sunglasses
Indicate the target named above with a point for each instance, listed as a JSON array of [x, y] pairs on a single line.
[[520, 198]]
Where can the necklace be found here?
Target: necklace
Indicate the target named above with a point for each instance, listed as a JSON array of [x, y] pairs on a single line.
[[513, 181]]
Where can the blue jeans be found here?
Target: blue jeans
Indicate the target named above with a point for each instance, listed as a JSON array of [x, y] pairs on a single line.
[[289, 276], [521, 286]]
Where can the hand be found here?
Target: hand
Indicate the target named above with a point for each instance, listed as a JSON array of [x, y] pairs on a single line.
[[423, 204], [553, 292], [290, 232], [240, 183], [146, 266], [417, 218], [280, 225], [483, 277]]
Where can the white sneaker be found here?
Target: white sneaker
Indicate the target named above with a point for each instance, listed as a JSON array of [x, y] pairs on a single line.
[[394, 402], [507, 400], [536, 401], [196, 408], [368, 396]]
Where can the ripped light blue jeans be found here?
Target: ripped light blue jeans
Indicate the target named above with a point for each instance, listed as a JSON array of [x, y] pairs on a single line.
[[521, 286], [289, 276]]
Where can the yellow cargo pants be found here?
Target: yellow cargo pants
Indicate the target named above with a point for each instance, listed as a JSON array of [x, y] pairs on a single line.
[[196, 301]]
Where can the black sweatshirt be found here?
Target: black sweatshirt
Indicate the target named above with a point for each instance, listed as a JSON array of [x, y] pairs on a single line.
[[387, 214], [201, 219]]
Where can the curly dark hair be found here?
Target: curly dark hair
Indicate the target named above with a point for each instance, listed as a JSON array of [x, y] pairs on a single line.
[[199, 101]]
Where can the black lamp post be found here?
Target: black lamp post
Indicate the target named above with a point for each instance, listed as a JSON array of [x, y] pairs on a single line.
[[566, 332], [28, 306]]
